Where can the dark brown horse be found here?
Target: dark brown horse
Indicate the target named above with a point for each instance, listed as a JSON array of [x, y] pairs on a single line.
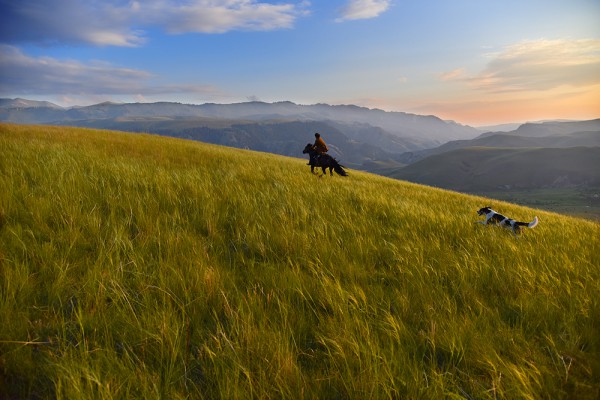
[[323, 161]]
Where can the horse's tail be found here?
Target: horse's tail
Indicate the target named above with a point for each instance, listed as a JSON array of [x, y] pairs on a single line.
[[339, 169]]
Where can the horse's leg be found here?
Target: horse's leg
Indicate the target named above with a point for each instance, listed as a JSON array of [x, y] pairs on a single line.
[[331, 171], [312, 169]]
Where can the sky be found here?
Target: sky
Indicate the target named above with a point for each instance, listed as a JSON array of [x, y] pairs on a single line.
[[477, 62]]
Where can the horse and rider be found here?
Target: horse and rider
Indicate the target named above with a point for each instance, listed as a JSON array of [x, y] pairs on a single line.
[[319, 158], [319, 147]]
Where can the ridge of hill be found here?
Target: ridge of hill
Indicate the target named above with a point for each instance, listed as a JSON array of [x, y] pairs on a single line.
[[139, 266], [565, 180], [19, 103], [486, 168], [552, 128], [547, 134]]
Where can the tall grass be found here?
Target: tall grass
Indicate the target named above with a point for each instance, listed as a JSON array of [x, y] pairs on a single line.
[[134, 266]]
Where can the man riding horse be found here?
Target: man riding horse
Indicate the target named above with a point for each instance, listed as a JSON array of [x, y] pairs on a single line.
[[319, 158], [320, 147]]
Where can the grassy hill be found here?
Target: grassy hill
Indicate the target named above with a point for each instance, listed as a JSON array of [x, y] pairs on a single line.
[[134, 266], [283, 137]]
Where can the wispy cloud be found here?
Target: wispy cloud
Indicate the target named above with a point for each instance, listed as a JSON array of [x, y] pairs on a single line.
[[25, 75], [112, 22], [363, 9], [208, 16], [50, 22], [541, 65], [536, 79]]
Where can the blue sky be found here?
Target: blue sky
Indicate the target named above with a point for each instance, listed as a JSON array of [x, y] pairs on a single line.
[[476, 62]]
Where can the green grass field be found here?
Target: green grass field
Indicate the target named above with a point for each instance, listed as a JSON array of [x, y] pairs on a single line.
[[135, 266]]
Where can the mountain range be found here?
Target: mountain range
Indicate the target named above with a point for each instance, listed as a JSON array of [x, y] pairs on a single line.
[[546, 135], [482, 169], [419, 127], [357, 134], [418, 148], [551, 155]]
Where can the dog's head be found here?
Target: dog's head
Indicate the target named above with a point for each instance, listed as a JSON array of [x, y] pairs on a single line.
[[484, 211]]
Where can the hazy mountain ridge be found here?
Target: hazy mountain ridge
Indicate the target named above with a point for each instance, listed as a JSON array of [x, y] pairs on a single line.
[[479, 168], [429, 129], [24, 103], [280, 137], [552, 128], [557, 168], [547, 135], [357, 135]]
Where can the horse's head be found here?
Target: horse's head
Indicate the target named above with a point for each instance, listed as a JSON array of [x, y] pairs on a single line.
[[308, 149]]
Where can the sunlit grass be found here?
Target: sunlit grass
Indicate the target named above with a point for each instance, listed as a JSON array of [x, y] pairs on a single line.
[[134, 266]]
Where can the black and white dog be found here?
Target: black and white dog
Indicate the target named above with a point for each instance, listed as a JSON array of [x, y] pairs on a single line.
[[492, 217]]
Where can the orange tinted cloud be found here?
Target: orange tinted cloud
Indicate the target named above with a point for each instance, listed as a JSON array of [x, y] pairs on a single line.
[[541, 65], [543, 79]]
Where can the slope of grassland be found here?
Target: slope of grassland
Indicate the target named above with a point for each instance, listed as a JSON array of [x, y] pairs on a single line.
[[134, 266]]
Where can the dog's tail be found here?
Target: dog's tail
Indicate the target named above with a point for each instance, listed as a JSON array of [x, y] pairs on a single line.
[[531, 224]]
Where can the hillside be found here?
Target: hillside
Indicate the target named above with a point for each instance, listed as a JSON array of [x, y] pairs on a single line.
[[565, 180], [546, 135], [577, 139], [139, 266], [486, 168], [554, 128], [286, 138]]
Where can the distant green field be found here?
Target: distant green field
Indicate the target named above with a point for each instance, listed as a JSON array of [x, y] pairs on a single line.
[[582, 203], [137, 266], [491, 169], [563, 180]]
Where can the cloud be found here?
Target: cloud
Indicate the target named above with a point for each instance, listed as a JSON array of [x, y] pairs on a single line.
[[363, 9], [535, 79], [50, 22], [205, 16], [541, 65], [112, 22], [25, 75]]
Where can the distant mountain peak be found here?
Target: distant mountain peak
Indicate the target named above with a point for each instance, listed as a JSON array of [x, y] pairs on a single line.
[[24, 103], [112, 103]]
